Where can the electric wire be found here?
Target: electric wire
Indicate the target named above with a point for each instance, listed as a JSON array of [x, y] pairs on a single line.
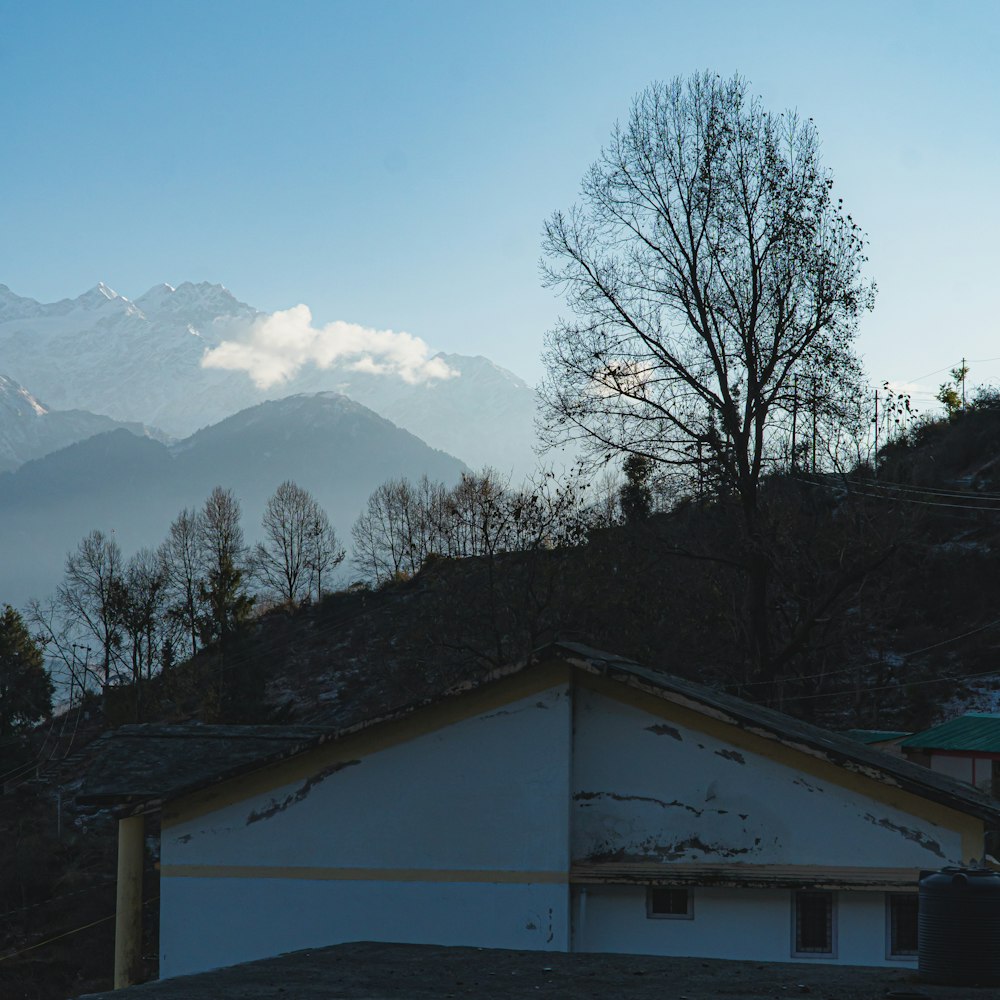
[[896, 499], [66, 934], [898, 685], [926, 490], [948, 368], [56, 899], [876, 663]]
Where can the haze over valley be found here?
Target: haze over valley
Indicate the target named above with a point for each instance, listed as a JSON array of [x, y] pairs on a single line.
[[112, 416]]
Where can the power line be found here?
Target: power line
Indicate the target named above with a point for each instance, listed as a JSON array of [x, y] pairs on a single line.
[[54, 899], [896, 499], [954, 364], [896, 686], [875, 663], [65, 934], [928, 490]]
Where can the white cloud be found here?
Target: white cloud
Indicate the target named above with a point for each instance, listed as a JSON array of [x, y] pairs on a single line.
[[274, 348]]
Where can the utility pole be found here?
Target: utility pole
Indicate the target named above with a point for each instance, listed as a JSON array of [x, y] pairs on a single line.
[[795, 414], [814, 409], [875, 456], [964, 370]]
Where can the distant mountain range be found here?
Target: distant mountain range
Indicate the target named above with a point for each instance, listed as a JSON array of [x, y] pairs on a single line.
[[140, 361], [134, 485], [29, 429]]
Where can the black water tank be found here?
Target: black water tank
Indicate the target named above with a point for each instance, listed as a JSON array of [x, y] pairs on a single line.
[[959, 927]]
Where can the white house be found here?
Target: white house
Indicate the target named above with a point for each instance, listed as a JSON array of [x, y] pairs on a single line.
[[577, 802]]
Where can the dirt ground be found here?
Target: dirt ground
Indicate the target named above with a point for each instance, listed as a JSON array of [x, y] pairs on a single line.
[[414, 972]]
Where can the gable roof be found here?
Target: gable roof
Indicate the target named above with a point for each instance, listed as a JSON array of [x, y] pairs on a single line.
[[139, 767], [972, 731], [147, 763], [873, 736]]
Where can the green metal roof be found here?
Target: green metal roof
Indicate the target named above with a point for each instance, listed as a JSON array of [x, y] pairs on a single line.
[[972, 731], [874, 735]]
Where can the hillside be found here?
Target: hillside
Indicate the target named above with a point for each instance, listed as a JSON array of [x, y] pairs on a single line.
[[900, 574]]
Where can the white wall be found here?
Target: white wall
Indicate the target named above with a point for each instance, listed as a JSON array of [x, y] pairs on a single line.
[[206, 923], [955, 767], [464, 836], [486, 794], [648, 789], [752, 924]]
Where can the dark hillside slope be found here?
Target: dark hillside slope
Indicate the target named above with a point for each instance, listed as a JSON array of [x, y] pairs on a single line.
[[901, 578], [898, 589]]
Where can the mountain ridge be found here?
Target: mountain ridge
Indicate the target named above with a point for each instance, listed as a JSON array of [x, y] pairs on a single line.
[[141, 361], [133, 487], [29, 429]]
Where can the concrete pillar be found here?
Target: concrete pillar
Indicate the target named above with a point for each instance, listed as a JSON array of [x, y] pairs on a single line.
[[128, 912]]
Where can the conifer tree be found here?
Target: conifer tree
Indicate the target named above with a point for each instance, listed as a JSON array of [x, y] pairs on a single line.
[[25, 685]]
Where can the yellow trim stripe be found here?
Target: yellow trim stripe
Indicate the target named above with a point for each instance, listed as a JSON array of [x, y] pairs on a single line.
[[363, 874]]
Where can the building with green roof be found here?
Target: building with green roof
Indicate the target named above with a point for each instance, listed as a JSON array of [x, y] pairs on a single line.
[[966, 748]]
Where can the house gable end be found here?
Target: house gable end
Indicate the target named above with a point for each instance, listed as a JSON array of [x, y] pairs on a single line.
[[657, 779]]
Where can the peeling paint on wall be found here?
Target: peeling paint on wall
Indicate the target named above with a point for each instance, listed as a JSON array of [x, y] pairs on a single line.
[[649, 849], [807, 785], [917, 836], [299, 794], [731, 755], [586, 797], [662, 729]]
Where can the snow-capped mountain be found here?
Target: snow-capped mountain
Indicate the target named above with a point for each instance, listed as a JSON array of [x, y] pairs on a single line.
[[29, 429], [141, 360]]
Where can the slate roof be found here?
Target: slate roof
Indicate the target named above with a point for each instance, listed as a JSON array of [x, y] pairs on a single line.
[[872, 736], [972, 731], [138, 767], [143, 764]]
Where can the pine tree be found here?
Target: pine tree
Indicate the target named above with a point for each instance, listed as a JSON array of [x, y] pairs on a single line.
[[25, 686]]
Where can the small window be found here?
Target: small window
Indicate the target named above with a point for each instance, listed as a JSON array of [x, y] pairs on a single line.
[[814, 924], [675, 904], [901, 918]]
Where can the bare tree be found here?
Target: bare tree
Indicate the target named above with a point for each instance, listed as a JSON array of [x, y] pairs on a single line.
[[481, 518], [64, 650], [224, 553], [387, 542], [403, 524], [182, 560], [708, 264], [90, 595], [324, 553], [142, 599], [299, 547], [280, 562]]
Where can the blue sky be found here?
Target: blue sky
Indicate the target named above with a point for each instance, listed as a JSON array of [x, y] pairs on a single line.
[[391, 163]]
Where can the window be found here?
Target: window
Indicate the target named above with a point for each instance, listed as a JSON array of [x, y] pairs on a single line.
[[670, 904], [901, 924], [815, 927]]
